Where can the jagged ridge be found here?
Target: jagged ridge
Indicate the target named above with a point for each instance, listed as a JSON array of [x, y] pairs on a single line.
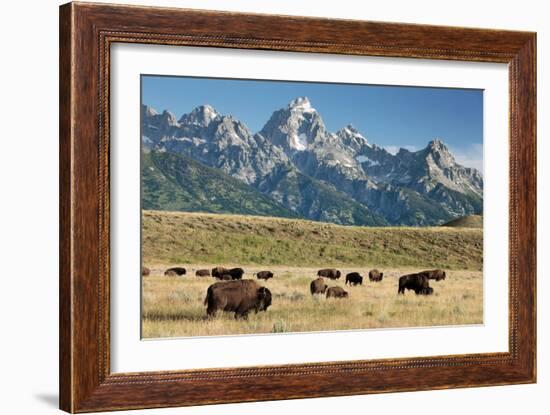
[[295, 161]]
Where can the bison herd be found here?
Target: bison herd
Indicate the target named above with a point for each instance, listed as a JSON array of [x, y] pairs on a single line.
[[240, 296]]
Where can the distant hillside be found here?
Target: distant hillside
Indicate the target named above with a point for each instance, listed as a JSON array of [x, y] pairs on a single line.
[[175, 182], [193, 238], [472, 221]]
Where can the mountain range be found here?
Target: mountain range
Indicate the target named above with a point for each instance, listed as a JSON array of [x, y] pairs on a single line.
[[295, 167]]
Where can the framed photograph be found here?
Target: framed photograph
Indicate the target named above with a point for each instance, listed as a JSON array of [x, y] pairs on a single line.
[[258, 207]]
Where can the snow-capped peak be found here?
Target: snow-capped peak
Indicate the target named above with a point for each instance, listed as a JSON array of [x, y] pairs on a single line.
[[437, 144], [301, 104], [202, 115], [439, 153], [351, 130], [169, 118], [209, 110], [149, 111], [353, 137]]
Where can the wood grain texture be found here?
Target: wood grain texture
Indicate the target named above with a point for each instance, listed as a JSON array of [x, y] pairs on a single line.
[[65, 246], [86, 33]]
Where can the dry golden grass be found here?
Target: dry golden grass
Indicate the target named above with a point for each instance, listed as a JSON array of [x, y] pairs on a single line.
[[295, 250], [173, 306]]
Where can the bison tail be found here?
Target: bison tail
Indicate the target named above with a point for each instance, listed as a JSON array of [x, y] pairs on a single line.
[[208, 295]]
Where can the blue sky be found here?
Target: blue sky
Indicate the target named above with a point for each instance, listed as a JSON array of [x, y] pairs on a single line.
[[390, 116]]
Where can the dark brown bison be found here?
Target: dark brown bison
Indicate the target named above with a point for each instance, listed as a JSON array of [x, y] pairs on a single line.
[[415, 282], [145, 271], [336, 292], [330, 273], [218, 271], [175, 271], [353, 278], [434, 274], [318, 286], [202, 273], [240, 297], [264, 275], [236, 273], [375, 275]]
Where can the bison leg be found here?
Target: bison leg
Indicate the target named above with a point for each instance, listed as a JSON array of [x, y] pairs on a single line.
[[241, 314]]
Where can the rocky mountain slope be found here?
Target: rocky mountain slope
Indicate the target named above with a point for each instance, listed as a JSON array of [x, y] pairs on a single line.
[[335, 177], [175, 182]]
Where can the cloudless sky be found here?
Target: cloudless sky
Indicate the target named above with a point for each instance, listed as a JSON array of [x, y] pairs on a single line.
[[389, 116]]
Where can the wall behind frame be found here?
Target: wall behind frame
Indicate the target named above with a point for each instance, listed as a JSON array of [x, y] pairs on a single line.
[[28, 212]]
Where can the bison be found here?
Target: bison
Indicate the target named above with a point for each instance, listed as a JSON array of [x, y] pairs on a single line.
[[222, 273], [415, 282], [318, 286], [145, 271], [175, 271], [353, 278], [202, 273], [375, 275], [330, 273], [434, 274], [240, 297], [336, 292], [236, 273], [219, 271], [264, 275]]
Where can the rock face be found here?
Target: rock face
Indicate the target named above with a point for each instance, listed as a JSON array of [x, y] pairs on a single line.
[[337, 177]]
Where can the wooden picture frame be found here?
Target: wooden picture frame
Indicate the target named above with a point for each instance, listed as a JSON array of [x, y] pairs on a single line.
[[86, 33]]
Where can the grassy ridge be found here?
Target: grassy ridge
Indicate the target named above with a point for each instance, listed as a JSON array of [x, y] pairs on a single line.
[[194, 238], [472, 221]]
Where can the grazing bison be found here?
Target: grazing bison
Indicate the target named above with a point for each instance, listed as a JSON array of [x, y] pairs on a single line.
[[145, 271], [236, 273], [375, 275], [336, 292], [353, 278], [238, 296], [318, 286], [264, 275], [219, 271], [415, 282], [331, 273], [175, 271], [434, 274], [202, 273]]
